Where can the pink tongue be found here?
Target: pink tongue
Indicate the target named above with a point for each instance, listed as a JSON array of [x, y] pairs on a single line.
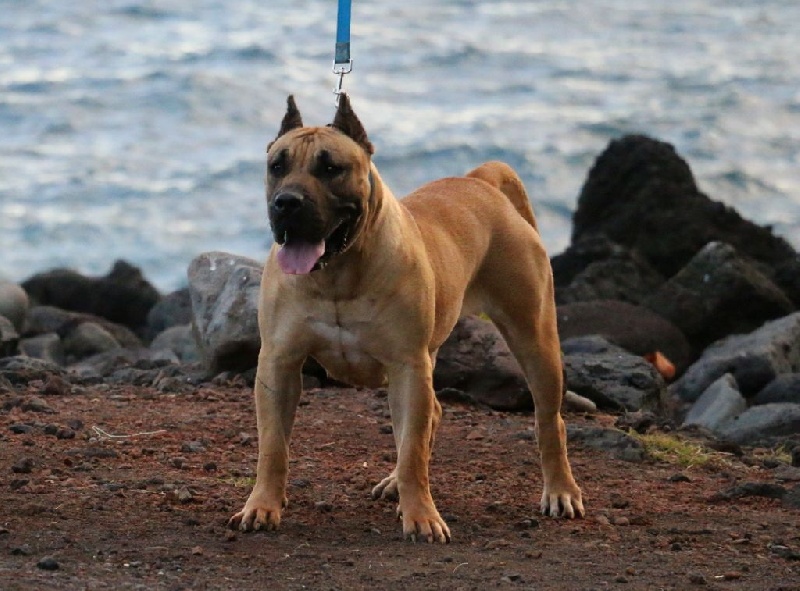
[[299, 259]]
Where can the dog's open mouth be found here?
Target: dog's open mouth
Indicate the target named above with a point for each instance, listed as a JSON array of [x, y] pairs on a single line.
[[300, 257]]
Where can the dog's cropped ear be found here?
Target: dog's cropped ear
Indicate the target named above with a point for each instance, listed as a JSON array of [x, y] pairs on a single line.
[[346, 121], [291, 120]]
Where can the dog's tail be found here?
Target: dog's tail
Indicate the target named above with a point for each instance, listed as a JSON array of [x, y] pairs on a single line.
[[503, 177]]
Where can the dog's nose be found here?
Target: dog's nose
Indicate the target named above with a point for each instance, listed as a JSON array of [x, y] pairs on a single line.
[[286, 203]]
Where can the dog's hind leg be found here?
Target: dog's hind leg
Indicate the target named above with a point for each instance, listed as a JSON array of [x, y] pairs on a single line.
[[522, 306]]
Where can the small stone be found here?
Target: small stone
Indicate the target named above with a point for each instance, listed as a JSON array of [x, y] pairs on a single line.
[[48, 563], [23, 550], [602, 520], [64, 433], [56, 386], [679, 477], [210, 466], [197, 551], [386, 429], [618, 501], [191, 447], [36, 404], [246, 438], [178, 462], [732, 576], [621, 521], [621, 579], [230, 536], [495, 544], [796, 457], [19, 429], [511, 578], [697, 579], [324, 506], [184, 495], [23, 466]]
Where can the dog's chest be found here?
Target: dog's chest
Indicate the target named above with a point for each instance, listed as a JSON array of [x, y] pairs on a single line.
[[344, 346]]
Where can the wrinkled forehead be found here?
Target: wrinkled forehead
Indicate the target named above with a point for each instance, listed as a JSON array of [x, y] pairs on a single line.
[[308, 143]]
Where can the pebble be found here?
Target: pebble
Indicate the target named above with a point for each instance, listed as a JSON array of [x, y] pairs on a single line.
[[48, 563], [192, 447], [386, 429], [697, 579], [36, 404], [324, 506], [19, 429], [23, 466]]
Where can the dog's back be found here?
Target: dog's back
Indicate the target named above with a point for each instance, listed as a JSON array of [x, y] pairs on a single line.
[[502, 176]]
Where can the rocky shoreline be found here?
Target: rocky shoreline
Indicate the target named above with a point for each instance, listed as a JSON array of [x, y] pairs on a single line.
[[656, 271]]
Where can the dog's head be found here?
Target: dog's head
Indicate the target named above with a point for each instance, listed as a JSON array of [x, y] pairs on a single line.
[[319, 187]]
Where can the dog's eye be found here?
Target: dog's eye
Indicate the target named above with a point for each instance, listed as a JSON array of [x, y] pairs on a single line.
[[332, 170], [277, 166]]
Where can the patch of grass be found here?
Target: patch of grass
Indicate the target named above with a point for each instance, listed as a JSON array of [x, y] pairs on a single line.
[[781, 453], [670, 448], [240, 482]]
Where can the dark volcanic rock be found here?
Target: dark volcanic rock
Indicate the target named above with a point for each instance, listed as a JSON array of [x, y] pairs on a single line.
[[123, 296], [634, 328], [763, 424], [475, 359], [717, 294], [641, 194], [596, 269], [615, 380]]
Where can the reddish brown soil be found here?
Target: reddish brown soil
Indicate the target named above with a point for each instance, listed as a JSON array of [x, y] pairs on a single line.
[[146, 512]]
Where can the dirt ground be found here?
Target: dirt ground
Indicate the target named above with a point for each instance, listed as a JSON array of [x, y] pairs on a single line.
[[129, 488]]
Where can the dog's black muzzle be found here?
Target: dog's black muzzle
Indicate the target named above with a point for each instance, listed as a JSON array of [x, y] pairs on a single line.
[[294, 217]]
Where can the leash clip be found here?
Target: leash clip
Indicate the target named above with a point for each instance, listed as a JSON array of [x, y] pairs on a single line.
[[340, 69]]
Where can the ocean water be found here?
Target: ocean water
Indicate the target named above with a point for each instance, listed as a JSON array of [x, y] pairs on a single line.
[[136, 129]]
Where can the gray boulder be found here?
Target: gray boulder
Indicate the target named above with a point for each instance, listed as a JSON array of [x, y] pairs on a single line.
[[46, 346], [174, 309], [614, 379], [718, 293], [13, 303], [9, 337], [784, 388], [87, 339], [622, 276], [224, 292], [49, 319], [754, 359], [763, 424], [718, 405], [180, 341]]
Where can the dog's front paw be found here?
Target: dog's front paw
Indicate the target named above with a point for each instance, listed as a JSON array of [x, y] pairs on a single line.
[[386, 489], [423, 523], [257, 514], [563, 501]]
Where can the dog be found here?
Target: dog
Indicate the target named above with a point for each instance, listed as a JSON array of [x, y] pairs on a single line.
[[371, 286]]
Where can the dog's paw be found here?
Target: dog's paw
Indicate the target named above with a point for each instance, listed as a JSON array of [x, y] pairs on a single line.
[[386, 489], [565, 503], [424, 525], [257, 515]]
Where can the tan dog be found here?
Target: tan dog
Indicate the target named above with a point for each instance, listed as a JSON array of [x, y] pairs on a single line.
[[371, 287]]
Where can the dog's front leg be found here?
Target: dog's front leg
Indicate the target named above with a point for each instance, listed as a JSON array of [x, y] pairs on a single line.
[[415, 416], [277, 392]]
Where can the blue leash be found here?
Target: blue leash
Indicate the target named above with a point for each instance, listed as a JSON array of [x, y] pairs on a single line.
[[342, 64]]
